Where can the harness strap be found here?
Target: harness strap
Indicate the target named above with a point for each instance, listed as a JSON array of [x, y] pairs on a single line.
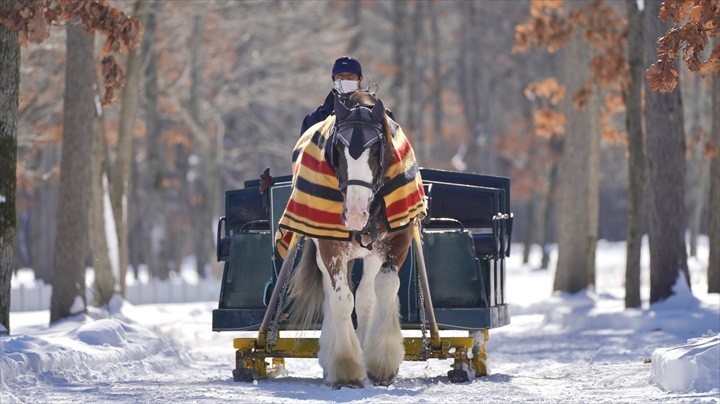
[[357, 182]]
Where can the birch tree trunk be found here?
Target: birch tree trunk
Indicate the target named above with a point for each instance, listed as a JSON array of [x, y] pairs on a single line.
[[666, 173], [71, 245], [714, 199], [636, 160], [577, 221], [9, 98]]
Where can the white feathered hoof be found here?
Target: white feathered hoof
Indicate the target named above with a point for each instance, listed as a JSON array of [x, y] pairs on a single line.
[[383, 380], [383, 357], [355, 384], [346, 372]]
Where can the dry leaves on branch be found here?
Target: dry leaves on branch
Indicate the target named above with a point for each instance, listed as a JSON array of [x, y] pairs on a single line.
[[113, 79], [546, 27], [580, 98], [32, 20], [712, 150], [694, 22], [549, 89], [549, 123]]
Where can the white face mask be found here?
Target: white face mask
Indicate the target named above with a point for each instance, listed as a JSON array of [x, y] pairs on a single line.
[[346, 86]]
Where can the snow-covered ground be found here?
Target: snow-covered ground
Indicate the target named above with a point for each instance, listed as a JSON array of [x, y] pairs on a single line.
[[558, 348]]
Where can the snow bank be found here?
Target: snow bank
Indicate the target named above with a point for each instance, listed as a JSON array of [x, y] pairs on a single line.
[[85, 347], [682, 315], [689, 367], [694, 366], [102, 332]]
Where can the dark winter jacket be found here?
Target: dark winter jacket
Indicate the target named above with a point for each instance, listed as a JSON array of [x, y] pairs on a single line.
[[324, 111], [320, 114]]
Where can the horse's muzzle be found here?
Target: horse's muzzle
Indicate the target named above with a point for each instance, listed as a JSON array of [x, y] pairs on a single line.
[[355, 219]]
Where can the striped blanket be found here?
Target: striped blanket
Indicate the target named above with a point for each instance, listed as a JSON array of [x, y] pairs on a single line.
[[316, 204]]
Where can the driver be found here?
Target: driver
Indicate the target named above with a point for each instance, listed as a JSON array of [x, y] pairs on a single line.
[[346, 76]]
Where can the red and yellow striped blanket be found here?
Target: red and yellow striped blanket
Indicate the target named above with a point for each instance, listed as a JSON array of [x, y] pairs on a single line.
[[316, 204]]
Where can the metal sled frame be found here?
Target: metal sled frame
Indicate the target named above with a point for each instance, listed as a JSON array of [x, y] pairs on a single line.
[[251, 353]]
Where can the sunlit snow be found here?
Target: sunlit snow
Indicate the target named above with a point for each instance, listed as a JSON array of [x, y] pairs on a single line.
[[559, 348]]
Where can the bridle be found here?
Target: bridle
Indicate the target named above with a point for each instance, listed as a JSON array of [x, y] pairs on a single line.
[[335, 138], [354, 125]]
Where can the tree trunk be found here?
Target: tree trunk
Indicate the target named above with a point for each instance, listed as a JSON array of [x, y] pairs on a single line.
[[400, 28], [9, 98], [714, 199], [577, 225], [205, 191], [121, 184], [104, 285], [698, 167], [592, 198], [71, 246], [355, 21], [666, 173], [549, 221], [413, 117], [636, 160], [437, 90], [155, 210], [532, 207], [45, 214], [467, 84]]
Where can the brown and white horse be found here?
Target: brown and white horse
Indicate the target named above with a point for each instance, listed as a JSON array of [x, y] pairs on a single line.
[[360, 151]]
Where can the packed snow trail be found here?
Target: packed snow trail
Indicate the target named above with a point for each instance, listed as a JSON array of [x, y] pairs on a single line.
[[534, 359], [558, 348]]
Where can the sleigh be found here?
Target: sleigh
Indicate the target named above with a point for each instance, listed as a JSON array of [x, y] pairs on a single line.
[[454, 280]]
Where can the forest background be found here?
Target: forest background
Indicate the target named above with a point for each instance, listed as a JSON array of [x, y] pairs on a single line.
[[213, 92]]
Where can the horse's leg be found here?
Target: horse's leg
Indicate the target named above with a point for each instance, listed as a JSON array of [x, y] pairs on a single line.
[[340, 355], [383, 349], [365, 295]]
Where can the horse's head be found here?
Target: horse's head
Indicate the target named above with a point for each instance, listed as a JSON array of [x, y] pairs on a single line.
[[358, 152]]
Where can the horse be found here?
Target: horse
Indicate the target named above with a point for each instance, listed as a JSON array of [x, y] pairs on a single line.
[[370, 171]]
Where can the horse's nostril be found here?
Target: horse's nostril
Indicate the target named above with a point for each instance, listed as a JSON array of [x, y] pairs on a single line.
[[364, 214]]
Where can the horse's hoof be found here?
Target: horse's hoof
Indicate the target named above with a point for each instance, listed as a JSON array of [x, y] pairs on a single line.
[[353, 384], [382, 381]]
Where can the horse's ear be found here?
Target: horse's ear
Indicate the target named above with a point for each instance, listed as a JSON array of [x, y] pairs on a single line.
[[378, 111], [341, 111]]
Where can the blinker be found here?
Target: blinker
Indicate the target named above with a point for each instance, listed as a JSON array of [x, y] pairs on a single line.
[[359, 139], [358, 128]]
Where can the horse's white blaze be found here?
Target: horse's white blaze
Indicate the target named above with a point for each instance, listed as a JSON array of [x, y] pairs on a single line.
[[358, 198], [383, 346], [340, 355]]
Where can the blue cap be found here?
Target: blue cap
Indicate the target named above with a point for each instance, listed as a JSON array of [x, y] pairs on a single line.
[[346, 64]]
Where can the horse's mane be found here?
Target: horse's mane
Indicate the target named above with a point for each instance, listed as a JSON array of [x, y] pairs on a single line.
[[367, 99]]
